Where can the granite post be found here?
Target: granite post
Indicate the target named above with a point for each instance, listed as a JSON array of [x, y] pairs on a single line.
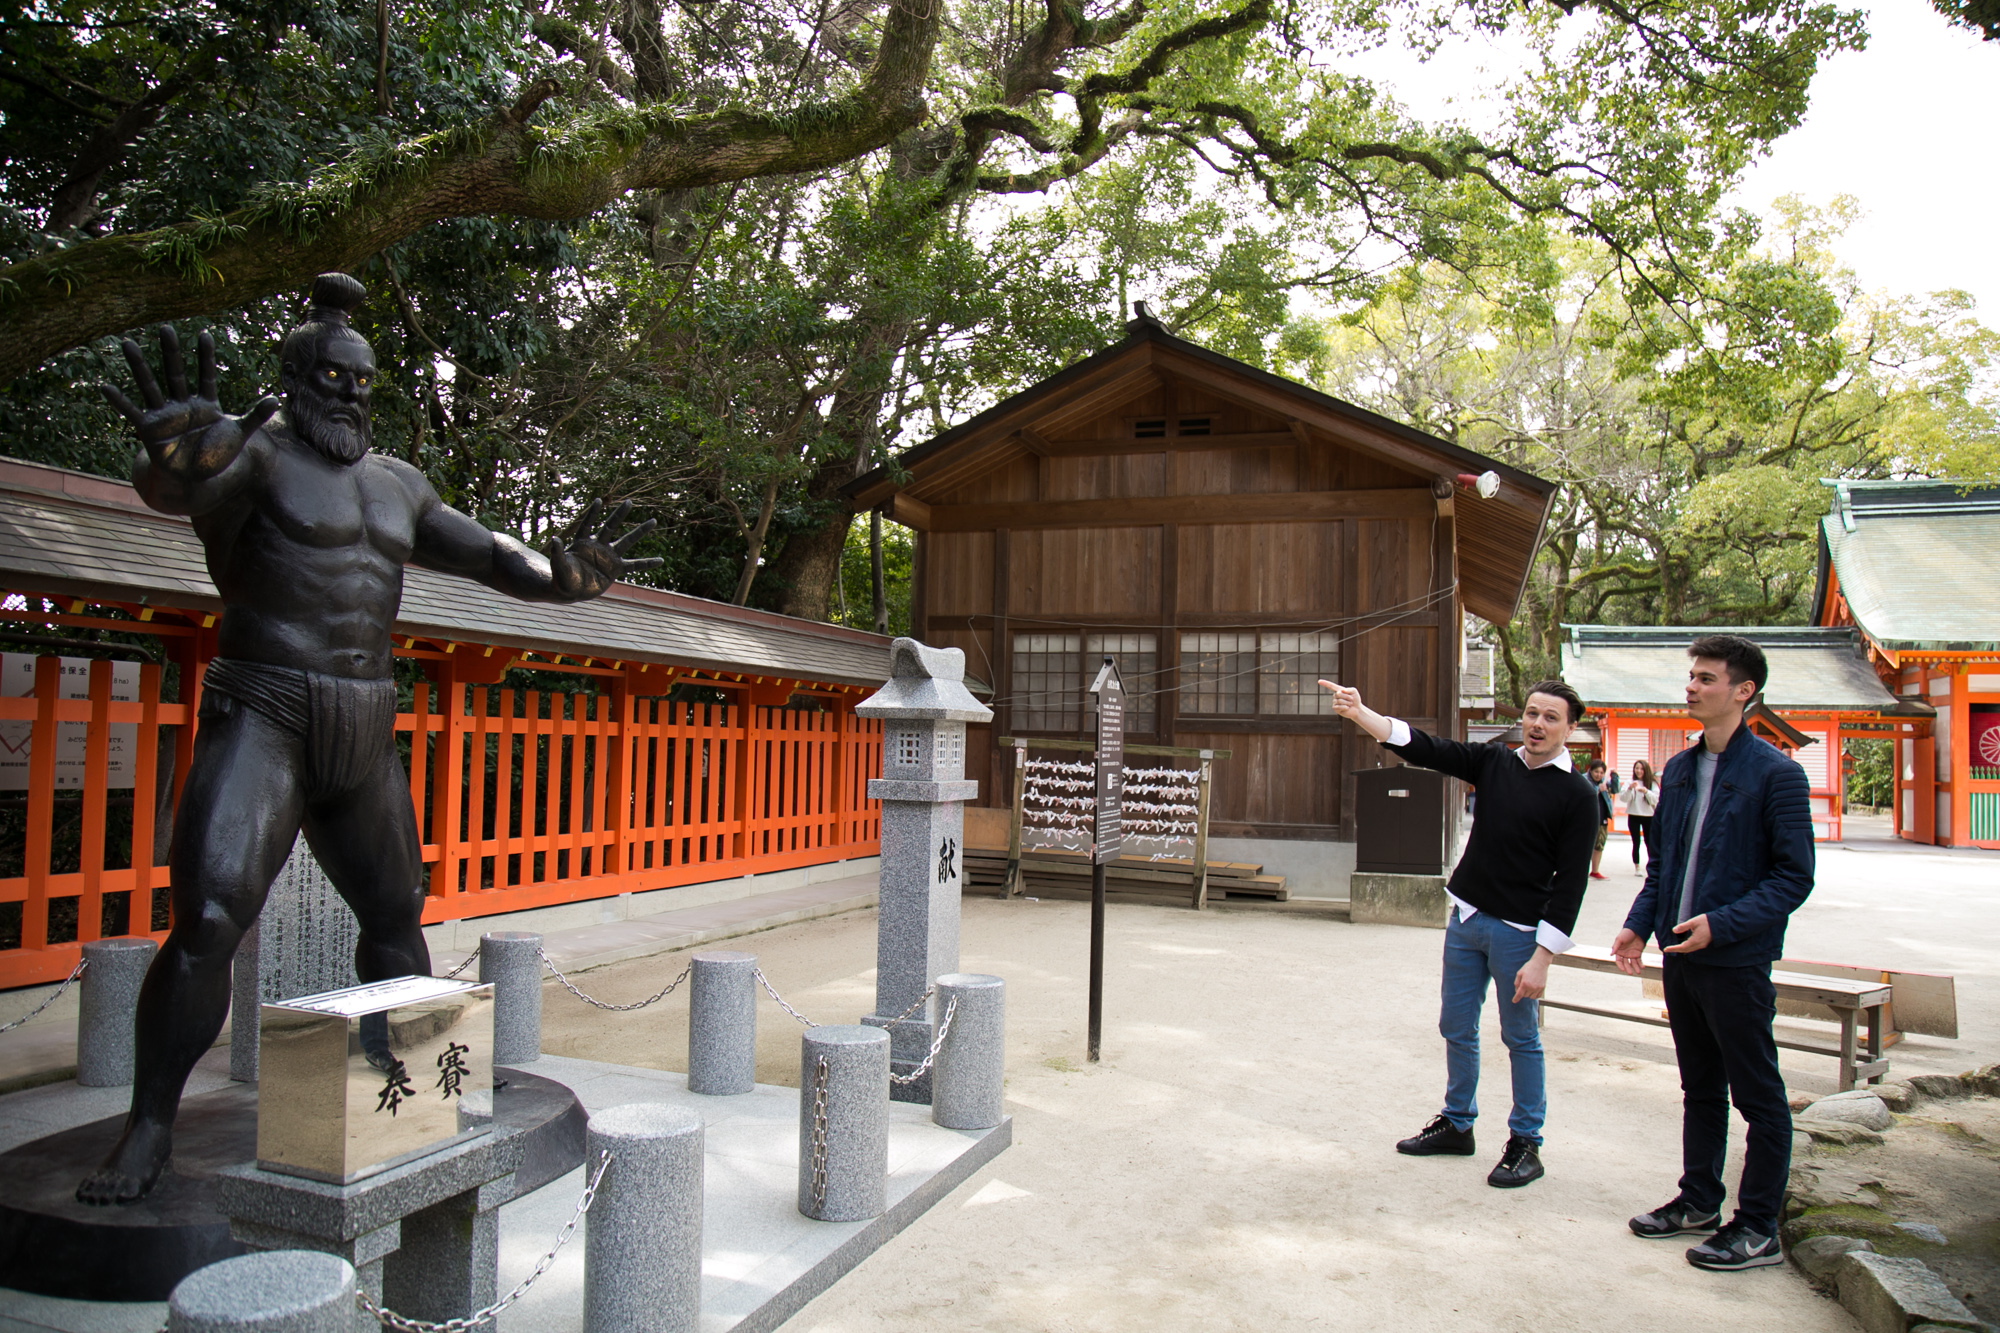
[[722, 1023], [280, 1291], [642, 1248], [107, 1008], [923, 789], [512, 961], [971, 1066], [844, 1157], [302, 944]]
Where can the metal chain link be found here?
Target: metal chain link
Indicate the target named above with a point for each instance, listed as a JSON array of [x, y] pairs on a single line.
[[67, 982], [819, 1134], [470, 959], [950, 1011], [405, 1324], [654, 998], [766, 983]]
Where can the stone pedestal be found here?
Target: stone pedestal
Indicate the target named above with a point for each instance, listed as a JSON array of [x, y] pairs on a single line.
[[303, 943], [642, 1247], [722, 1023], [844, 1153], [971, 1068], [285, 1291], [1397, 900], [107, 1007], [512, 961], [423, 1238], [923, 790]]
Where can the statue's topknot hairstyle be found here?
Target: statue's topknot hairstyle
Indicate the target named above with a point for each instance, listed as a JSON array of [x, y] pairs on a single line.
[[335, 296]]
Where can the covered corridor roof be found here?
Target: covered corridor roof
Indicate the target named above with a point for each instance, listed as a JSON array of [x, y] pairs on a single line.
[[71, 533]]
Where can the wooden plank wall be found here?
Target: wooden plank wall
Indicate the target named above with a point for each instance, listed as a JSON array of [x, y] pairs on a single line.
[[1288, 776]]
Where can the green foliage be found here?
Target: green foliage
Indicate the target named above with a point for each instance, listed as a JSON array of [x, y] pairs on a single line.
[[1690, 450], [1872, 778], [854, 605]]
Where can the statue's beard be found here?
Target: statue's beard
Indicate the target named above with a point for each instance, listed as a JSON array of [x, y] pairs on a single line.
[[341, 439]]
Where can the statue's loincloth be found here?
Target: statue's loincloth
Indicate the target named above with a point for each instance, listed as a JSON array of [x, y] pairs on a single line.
[[343, 725]]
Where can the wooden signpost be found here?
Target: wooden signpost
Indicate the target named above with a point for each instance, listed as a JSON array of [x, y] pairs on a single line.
[[1110, 834]]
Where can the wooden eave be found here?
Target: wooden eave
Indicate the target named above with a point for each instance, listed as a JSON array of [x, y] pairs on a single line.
[[1497, 538]]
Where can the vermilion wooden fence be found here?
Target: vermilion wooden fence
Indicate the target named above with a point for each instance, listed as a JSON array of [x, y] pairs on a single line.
[[523, 798]]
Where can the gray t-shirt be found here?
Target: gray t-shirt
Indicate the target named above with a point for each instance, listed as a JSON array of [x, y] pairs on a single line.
[[1704, 782]]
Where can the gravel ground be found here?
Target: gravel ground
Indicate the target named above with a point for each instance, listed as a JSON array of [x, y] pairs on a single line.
[[1230, 1163]]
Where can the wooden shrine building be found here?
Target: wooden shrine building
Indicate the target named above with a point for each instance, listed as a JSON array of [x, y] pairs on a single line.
[[1909, 565], [1229, 536], [1821, 693], [640, 741]]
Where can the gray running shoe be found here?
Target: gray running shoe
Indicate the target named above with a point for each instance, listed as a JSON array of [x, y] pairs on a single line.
[[1736, 1246], [1678, 1218]]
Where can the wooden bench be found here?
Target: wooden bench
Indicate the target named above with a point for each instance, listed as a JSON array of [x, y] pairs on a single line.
[[1850, 1000]]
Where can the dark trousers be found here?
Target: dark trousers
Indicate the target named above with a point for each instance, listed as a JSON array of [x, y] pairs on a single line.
[[1642, 831], [1721, 1020]]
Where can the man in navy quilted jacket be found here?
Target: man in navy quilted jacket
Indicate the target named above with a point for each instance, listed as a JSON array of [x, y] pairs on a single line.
[[1735, 861]]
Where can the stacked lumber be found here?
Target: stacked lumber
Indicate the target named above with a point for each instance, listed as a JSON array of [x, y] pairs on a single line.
[[1046, 874]]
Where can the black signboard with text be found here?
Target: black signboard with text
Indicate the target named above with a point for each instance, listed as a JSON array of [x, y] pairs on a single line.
[[1110, 834]]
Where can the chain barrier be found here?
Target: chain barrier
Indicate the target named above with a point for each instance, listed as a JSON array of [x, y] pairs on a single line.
[[470, 959], [405, 1324], [654, 998], [819, 1134], [944, 1028], [67, 982], [766, 983]]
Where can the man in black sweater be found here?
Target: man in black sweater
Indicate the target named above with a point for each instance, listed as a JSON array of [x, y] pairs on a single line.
[[1514, 899]]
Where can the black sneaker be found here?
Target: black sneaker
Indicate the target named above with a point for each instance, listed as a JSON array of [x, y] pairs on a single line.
[[1439, 1137], [1678, 1218], [1521, 1163], [1736, 1246]]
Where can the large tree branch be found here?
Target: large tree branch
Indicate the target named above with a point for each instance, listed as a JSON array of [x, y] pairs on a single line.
[[567, 168]]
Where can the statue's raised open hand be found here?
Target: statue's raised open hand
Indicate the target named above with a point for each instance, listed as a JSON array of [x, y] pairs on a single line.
[[589, 558], [187, 434]]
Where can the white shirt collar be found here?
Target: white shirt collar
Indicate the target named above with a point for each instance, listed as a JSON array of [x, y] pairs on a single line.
[[1560, 761]]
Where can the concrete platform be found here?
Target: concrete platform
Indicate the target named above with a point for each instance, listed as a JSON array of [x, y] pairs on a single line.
[[762, 1261]]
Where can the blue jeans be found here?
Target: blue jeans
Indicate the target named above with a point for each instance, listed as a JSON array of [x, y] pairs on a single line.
[[1474, 950]]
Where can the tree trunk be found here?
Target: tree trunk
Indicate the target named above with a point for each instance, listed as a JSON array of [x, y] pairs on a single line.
[[810, 560], [767, 506], [877, 588]]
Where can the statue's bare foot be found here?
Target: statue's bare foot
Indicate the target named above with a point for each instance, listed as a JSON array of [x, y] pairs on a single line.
[[131, 1168]]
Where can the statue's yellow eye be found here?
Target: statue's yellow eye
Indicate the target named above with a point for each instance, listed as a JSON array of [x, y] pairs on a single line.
[[361, 380], [333, 374]]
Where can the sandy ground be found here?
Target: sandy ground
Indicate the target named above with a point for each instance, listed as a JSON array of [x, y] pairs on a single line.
[[1230, 1163]]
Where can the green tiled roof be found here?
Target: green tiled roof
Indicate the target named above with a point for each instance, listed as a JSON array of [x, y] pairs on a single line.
[[1812, 670], [1917, 562]]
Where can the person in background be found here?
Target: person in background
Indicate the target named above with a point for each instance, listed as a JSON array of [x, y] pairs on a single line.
[[1642, 798], [1736, 860], [1514, 898], [1606, 782]]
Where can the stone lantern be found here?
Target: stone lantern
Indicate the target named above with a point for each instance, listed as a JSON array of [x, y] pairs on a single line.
[[923, 789]]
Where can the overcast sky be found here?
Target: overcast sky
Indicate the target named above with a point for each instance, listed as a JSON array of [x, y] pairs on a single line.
[[1906, 126]]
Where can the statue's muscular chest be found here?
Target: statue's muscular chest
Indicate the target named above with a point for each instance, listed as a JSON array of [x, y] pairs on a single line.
[[318, 505]]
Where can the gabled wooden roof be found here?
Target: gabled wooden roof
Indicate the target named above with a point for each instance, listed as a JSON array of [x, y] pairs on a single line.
[[1497, 537]]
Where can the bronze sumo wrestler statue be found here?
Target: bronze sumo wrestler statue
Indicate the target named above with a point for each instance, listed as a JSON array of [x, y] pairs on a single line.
[[306, 533]]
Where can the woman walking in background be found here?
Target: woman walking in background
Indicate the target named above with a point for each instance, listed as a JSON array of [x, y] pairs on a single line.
[[1642, 798]]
